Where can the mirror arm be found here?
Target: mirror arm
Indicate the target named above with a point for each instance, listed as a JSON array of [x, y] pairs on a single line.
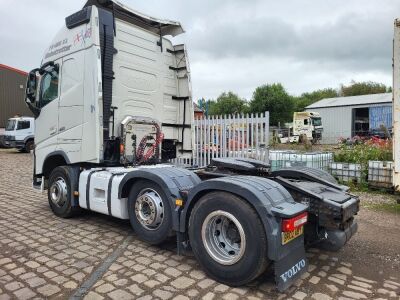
[[42, 69], [33, 109]]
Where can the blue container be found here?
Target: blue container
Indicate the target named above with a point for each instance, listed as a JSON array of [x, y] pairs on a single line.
[[380, 115]]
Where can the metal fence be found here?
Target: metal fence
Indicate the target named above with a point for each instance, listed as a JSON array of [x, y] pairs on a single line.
[[243, 136]]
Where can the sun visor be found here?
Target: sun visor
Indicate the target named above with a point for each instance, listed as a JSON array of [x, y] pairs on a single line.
[[121, 11]]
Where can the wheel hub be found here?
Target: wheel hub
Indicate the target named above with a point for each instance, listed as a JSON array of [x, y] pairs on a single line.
[[58, 192], [149, 209], [223, 237]]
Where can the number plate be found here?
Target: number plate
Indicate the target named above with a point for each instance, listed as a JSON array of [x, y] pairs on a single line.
[[291, 235]]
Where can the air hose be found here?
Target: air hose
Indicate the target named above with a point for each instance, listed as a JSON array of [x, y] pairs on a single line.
[[153, 149]]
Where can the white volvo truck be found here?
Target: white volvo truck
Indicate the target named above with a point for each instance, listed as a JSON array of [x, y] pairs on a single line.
[[112, 103]]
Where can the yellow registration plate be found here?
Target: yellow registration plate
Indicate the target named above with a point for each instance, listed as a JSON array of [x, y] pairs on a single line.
[[291, 235]]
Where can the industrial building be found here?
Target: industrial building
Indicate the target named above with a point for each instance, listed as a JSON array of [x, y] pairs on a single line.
[[12, 93], [346, 117]]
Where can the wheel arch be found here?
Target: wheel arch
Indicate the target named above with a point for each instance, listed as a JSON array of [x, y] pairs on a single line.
[[53, 160], [29, 138], [265, 196], [310, 174], [173, 181]]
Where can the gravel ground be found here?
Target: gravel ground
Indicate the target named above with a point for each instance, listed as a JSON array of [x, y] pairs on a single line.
[[98, 257]]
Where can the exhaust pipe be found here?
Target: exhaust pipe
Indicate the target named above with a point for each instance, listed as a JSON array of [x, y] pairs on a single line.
[[336, 239]]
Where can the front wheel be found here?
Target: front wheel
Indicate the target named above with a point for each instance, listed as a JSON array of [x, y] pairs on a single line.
[[29, 145], [228, 238], [59, 193]]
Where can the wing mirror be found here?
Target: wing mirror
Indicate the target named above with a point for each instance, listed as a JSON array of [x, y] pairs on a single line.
[[31, 86], [30, 94]]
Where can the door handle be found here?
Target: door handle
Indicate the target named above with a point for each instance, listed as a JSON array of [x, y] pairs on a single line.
[[53, 130], [61, 129]]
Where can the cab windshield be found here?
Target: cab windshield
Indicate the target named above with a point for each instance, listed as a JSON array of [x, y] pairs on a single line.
[[10, 125], [316, 121]]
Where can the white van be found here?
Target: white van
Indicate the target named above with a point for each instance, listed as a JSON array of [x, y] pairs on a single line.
[[19, 133]]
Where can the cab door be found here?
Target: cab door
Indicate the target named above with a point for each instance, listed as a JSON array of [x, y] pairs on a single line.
[[70, 113], [23, 129]]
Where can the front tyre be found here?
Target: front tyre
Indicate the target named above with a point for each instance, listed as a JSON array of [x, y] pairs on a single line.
[[29, 145], [59, 193], [149, 212], [228, 238]]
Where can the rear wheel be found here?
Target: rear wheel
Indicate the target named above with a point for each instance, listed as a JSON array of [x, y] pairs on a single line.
[[228, 238], [59, 193], [149, 212]]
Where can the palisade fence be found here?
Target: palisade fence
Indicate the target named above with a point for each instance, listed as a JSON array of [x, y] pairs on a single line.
[[244, 136], [247, 136]]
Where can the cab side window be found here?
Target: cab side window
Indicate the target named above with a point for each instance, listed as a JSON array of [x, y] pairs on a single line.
[[49, 88], [23, 125]]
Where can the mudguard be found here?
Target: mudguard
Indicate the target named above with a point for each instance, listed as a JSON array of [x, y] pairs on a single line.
[[73, 173], [272, 203], [175, 182]]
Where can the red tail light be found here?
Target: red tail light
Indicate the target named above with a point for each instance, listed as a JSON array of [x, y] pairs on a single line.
[[295, 222]]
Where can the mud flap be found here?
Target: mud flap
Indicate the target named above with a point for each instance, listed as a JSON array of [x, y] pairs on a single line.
[[290, 267]]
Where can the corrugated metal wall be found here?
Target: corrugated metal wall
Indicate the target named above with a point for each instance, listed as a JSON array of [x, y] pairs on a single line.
[[338, 121], [12, 91], [380, 115]]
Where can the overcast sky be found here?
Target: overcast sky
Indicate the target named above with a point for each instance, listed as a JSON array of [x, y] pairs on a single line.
[[238, 45]]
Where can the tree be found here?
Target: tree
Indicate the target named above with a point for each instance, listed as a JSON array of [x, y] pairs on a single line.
[[363, 88], [311, 97], [227, 104], [275, 99]]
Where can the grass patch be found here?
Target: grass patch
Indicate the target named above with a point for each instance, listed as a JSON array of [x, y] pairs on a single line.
[[387, 207]]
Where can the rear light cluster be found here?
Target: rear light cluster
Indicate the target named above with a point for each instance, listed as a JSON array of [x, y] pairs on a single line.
[[295, 222]]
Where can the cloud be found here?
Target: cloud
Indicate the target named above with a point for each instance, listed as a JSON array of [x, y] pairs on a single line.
[[352, 41], [237, 45]]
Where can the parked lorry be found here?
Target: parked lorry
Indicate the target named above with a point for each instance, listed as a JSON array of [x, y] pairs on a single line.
[[19, 133], [305, 124], [113, 105]]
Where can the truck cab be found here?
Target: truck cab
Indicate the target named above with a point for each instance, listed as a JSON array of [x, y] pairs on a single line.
[[19, 133], [309, 124], [105, 85]]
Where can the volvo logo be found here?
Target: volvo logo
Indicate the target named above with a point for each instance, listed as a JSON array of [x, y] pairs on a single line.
[[293, 270]]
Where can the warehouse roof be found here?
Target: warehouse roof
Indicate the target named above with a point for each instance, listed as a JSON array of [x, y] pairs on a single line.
[[13, 69], [352, 100]]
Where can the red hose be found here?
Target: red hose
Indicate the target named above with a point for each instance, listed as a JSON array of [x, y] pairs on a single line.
[[143, 157]]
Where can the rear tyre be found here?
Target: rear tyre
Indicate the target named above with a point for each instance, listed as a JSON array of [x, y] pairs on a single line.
[[59, 193], [149, 212], [228, 238]]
